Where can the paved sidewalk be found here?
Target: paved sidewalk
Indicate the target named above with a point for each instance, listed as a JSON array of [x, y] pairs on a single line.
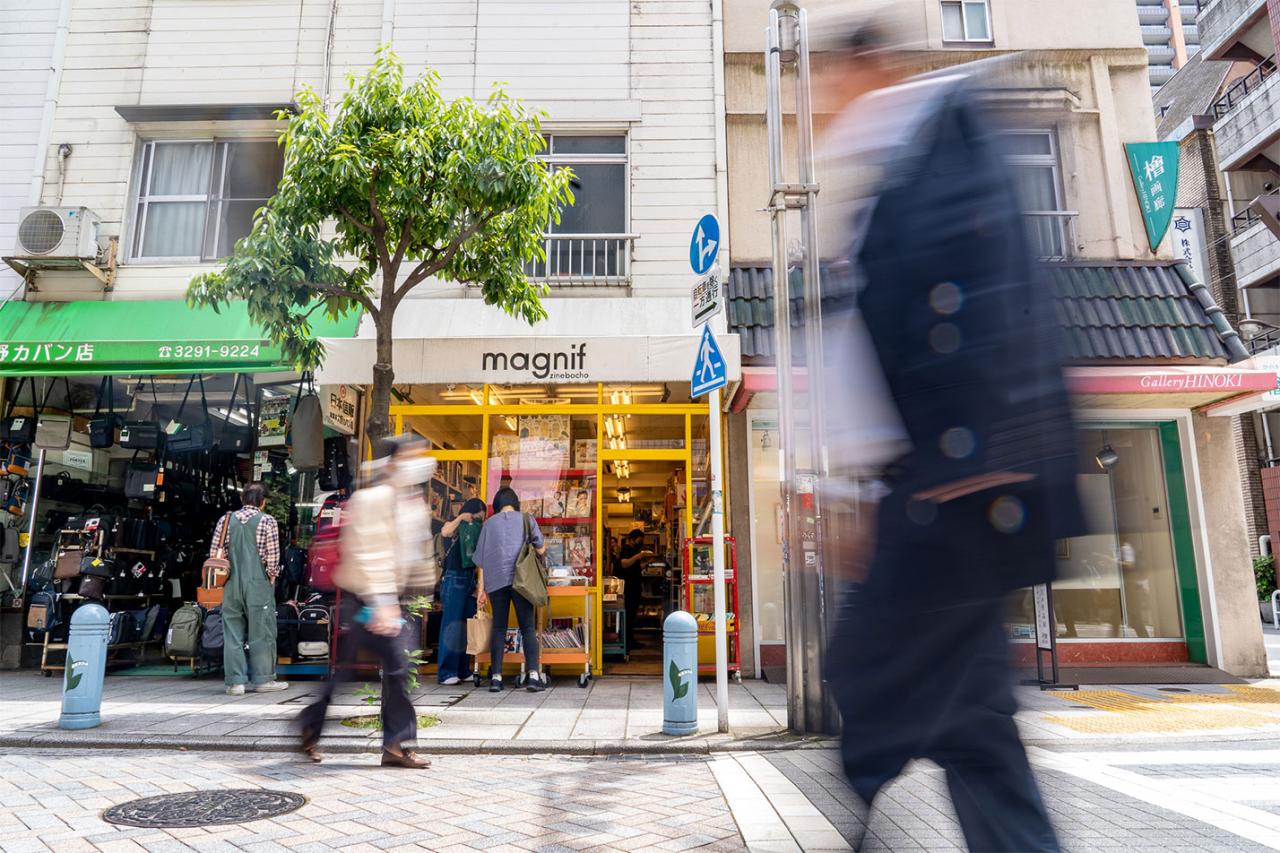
[[609, 715]]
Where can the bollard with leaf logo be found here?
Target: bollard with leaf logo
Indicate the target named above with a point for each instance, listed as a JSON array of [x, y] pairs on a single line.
[[86, 664], [680, 674]]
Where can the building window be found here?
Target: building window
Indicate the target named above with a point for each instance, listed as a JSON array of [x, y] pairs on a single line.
[[1033, 154], [196, 198], [966, 20], [590, 244]]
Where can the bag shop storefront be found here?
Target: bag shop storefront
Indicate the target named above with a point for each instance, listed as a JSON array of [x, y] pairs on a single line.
[[128, 429], [598, 437]]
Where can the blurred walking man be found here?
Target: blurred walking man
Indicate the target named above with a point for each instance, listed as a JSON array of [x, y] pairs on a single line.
[[955, 417]]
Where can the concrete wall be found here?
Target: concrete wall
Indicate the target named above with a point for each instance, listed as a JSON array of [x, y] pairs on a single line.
[[1227, 586], [643, 67]]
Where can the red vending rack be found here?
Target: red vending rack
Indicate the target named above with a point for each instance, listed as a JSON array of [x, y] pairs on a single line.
[[699, 596]]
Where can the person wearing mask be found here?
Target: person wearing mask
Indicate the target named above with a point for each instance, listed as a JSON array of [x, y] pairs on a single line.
[[386, 550], [497, 549], [251, 540], [632, 557], [458, 589]]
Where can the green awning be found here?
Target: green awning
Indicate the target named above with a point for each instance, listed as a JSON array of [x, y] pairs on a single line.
[[142, 337]]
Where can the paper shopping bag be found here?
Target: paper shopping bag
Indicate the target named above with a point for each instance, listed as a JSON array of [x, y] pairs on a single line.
[[479, 628]]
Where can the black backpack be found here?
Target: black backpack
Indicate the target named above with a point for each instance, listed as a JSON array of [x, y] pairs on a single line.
[[211, 638], [286, 629]]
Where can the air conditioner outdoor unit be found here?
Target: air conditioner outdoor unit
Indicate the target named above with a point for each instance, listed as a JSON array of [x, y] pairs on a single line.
[[58, 232]]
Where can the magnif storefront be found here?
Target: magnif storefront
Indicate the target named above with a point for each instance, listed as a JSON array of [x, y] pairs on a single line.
[[595, 432]]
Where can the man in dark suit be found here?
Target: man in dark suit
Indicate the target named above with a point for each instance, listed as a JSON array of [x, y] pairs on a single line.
[[970, 464]]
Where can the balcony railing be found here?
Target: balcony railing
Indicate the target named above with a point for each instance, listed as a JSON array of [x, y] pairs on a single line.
[[1245, 219], [592, 260], [1052, 233], [1237, 91]]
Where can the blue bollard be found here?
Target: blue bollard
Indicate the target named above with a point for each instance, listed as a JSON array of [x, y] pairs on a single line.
[[86, 665], [680, 674]]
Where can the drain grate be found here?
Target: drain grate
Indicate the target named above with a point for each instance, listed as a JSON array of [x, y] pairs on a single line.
[[204, 808]]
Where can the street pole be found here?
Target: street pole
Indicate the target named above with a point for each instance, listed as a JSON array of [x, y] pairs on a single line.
[[805, 591], [717, 563]]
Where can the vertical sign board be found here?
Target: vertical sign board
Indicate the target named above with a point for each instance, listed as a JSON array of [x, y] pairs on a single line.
[[1154, 168], [1188, 240]]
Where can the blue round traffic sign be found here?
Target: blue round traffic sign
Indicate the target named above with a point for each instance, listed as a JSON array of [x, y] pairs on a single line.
[[705, 244]]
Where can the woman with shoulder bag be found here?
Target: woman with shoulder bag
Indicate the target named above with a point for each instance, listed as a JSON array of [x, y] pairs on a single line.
[[502, 538], [458, 589], [386, 550]]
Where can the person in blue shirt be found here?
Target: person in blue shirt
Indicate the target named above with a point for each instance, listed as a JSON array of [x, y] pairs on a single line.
[[497, 549]]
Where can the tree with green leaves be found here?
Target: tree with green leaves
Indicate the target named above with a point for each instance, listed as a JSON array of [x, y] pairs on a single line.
[[397, 187]]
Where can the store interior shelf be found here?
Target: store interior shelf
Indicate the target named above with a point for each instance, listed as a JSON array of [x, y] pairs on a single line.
[[529, 473], [564, 522]]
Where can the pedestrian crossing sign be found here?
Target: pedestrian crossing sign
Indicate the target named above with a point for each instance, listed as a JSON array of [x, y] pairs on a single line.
[[709, 368]]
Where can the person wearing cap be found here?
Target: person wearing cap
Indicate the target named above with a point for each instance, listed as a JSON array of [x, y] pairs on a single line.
[[386, 554], [458, 589]]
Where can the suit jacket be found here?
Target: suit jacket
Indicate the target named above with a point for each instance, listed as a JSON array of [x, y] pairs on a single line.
[[963, 327]]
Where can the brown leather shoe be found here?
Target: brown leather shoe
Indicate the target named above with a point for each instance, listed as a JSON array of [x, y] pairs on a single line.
[[406, 759], [312, 751]]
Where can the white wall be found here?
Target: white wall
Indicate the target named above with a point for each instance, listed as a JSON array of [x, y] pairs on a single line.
[[26, 47], [640, 66]]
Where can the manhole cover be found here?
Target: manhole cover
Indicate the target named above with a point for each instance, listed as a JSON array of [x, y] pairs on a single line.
[[204, 808], [1173, 690]]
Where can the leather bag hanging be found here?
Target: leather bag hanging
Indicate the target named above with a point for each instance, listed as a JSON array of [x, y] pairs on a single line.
[[236, 438], [531, 570], [102, 428], [195, 437], [140, 434], [216, 569], [68, 563], [142, 480], [306, 428], [53, 432], [20, 428]]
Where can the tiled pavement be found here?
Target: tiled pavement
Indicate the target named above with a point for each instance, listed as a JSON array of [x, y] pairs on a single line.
[[771, 802], [608, 714]]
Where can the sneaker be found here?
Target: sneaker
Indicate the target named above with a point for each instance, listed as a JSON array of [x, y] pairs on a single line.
[[451, 680], [270, 686], [536, 683], [495, 684], [235, 689]]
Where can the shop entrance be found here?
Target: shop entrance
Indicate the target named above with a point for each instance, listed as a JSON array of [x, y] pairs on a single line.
[[592, 464]]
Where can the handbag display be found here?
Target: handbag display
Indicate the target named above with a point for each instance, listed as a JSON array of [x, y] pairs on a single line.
[[61, 487], [102, 428], [20, 428], [140, 434], [215, 570], [531, 569], [336, 472], [196, 437], [306, 429], [67, 565], [141, 480], [53, 432], [236, 438]]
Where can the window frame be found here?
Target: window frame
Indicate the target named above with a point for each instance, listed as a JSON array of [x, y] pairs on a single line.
[[623, 159], [140, 199], [1052, 160], [964, 22]]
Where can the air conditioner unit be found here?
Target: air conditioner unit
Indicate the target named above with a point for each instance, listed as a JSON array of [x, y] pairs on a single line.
[[58, 232]]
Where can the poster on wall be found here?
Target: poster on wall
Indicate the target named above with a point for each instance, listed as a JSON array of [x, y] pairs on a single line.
[[544, 440], [273, 420]]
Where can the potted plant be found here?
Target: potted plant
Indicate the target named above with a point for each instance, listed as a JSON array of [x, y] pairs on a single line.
[[1264, 574]]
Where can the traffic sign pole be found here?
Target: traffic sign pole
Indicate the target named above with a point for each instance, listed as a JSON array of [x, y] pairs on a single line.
[[710, 373], [717, 564]]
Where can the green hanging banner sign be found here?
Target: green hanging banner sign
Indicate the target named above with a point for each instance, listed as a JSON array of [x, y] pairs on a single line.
[[1154, 166]]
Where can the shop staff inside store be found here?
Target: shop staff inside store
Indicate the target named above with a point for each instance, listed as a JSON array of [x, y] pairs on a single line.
[[631, 559], [249, 599]]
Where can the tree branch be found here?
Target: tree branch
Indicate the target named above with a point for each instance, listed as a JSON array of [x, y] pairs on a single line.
[[356, 222], [402, 245], [440, 259], [337, 290]]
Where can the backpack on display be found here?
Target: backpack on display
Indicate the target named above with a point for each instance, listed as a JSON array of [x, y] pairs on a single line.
[[116, 631], [286, 629], [211, 637], [325, 551], [294, 570], [42, 613], [336, 473], [306, 429], [313, 631], [182, 640], [102, 428]]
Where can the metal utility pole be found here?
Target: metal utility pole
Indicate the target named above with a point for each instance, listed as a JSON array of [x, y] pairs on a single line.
[[802, 467]]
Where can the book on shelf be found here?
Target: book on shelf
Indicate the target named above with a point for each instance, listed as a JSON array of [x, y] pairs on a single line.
[[513, 644], [563, 634], [553, 506], [578, 551], [580, 504], [533, 506]]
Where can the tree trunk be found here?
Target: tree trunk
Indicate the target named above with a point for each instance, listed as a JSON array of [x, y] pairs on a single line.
[[379, 423]]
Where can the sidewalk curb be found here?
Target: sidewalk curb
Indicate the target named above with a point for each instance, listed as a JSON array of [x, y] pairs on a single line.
[[434, 746]]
